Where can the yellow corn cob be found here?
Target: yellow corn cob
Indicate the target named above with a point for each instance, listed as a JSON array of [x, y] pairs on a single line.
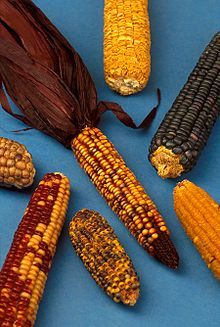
[[124, 194], [24, 273], [127, 42], [200, 216], [102, 254], [16, 167]]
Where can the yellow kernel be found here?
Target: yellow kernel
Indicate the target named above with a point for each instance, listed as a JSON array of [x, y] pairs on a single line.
[[163, 228], [152, 230], [41, 203], [144, 231], [154, 236], [148, 225], [26, 295]]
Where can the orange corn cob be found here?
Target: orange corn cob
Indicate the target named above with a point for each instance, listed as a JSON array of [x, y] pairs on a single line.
[[200, 216], [124, 194], [127, 42], [24, 273]]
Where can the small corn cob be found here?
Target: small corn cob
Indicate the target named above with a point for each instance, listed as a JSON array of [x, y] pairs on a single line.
[[200, 216], [186, 127], [24, 273], [16, 166], [124, 194], [103, 256], [127, 43]]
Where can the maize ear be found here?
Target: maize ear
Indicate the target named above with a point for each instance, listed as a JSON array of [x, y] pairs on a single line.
[[16, 166], [24, 273], [124, 194], [183, 133], [200, 216], [102, 254], [127, 43]]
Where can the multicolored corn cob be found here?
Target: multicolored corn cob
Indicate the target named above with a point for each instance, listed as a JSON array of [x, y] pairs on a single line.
[[24, 273], [127, 42], [200, 216], [103, 256], [124, 194], [186, 127], [73, 120], [16, 166]]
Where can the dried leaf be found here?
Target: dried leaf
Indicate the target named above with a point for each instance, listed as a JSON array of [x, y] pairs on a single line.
[[45, 76]]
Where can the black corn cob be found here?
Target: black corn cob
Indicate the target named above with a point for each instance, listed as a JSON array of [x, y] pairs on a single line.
[[102, 254], [185, 129]]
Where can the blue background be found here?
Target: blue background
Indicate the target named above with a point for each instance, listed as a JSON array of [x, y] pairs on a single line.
[[189, 296]]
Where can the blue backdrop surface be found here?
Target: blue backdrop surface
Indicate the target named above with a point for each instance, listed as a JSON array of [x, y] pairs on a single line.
[[186, 297]]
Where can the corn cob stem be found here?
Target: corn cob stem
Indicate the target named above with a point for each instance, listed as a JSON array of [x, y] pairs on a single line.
[[102, 254], [124, 194], [16, 167], [183, 133], [200, 216], [127, 44], [24, 273]]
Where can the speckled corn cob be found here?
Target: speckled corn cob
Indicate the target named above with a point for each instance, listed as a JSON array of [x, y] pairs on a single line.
[[124, 194], [16, 167], [127, 42], [24, 273], [186, 127], [200, 216], [102, 254]]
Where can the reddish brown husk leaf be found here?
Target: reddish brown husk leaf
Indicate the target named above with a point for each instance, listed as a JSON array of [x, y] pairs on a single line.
[[45, 76]]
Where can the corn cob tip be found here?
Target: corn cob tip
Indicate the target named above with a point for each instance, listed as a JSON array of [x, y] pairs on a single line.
[[124, 86], [165, 251], [166, 163], [183, 183], [60, 174], [130, 297]]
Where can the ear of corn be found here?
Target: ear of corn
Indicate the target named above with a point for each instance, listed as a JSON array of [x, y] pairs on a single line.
[[200, 217], [124, 194], [127, 44], [24, 273], [102, 254], [16, 166], [186, 127]]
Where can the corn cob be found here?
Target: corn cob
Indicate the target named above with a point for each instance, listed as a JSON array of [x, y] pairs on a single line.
[[16, 167], [65, 109], [124, 194], [103, 256], [24, 273], [200, 216], [127, 42], [186, 127]]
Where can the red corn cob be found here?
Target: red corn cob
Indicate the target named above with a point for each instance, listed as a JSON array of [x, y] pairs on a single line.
[[24, 273]]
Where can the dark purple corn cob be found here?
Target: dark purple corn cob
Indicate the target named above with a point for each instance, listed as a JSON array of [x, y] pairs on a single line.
[[185, 129]]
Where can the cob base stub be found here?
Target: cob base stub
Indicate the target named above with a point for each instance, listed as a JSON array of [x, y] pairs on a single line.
[[24, 273], [16, 166], [124, 194], [102, 254], [200, 216], [127, 43], [166, 163], [185, 129]]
